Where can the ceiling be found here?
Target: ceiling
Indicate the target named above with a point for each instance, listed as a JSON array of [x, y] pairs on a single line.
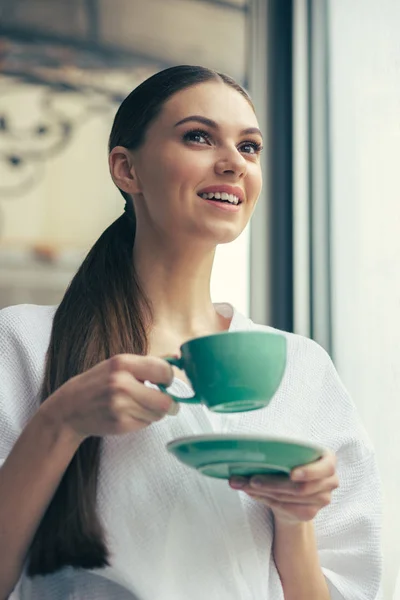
[[126, 34]]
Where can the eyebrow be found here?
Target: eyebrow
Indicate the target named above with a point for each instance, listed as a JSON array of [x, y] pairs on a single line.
[[214, 125]]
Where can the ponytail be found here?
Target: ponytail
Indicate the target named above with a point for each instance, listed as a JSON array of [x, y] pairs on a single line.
[[103, 313]]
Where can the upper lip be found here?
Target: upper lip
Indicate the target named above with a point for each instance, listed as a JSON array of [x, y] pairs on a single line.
[[229, 189]]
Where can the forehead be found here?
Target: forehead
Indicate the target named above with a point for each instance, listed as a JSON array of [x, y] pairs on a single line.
[[215, 100]]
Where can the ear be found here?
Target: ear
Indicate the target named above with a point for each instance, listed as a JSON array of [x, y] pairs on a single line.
[[122, 170]]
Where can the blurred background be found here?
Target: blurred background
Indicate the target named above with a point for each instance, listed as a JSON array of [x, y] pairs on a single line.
[[320, 256]]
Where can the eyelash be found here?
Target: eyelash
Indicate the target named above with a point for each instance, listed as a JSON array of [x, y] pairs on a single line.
[[187, 137]]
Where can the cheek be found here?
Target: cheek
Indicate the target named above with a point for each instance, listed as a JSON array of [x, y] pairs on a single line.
[[187, 168], [254, 184], [175, 170]]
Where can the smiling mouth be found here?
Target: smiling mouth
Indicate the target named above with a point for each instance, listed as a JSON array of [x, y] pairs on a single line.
[[221, 197]]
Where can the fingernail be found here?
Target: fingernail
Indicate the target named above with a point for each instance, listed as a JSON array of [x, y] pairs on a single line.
[[256, 482], [298, 474], [237, 482], [174, 408]]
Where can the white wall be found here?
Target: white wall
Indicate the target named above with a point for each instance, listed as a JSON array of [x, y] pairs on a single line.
[[365, 103], [75, 199]]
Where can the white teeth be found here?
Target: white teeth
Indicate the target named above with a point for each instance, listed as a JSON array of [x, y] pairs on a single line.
[[220, 196]]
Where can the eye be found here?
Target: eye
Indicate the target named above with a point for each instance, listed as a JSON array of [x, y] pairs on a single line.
[[197, 136], [251, 147]]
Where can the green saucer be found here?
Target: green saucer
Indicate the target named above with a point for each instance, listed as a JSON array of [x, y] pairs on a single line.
[[223, 456]]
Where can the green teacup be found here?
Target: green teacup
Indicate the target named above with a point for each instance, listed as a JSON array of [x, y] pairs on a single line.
[[232, 371]]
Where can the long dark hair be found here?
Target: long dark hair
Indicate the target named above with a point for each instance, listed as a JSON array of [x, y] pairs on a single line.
[[103, 313]]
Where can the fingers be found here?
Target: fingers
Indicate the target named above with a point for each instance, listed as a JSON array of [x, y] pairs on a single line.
[[150, 368], [291, 488], [124, 384], [314, 490], [314, 493], [143, 368], [304, 480], [276, 482], [141, 412], [125, 415], [320, 499], [322, 468], [174, 408], [121, 410], [155, 400], [110, 398], [319, 486]]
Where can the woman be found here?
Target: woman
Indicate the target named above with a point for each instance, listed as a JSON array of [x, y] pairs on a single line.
[[91, 504]]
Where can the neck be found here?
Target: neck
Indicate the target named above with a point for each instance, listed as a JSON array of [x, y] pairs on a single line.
[[176, 281]]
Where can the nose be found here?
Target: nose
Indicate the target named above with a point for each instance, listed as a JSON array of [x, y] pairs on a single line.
[[231, 161]]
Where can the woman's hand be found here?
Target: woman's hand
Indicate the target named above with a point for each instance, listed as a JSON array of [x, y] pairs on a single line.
[[297, 498], [111, 398]]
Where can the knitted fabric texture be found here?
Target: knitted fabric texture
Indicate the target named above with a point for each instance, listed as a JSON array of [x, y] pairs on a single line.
[[177, 535]]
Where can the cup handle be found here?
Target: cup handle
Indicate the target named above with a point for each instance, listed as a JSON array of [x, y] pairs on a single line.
[[178, 362]]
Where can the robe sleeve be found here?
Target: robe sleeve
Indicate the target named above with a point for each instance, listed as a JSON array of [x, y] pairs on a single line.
[[349, 529], [21, 368]]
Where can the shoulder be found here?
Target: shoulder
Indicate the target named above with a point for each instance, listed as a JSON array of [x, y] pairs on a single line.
[[315, 397], [301, 350], [25, 314], [25, 322], [24, 338]]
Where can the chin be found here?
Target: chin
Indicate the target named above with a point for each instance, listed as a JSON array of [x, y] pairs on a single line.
[[223, 236]]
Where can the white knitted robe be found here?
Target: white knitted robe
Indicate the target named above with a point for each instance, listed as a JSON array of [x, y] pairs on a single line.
[[177, 535]]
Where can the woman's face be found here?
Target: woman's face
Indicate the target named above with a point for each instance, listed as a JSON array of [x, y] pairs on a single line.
[[198, 171]]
